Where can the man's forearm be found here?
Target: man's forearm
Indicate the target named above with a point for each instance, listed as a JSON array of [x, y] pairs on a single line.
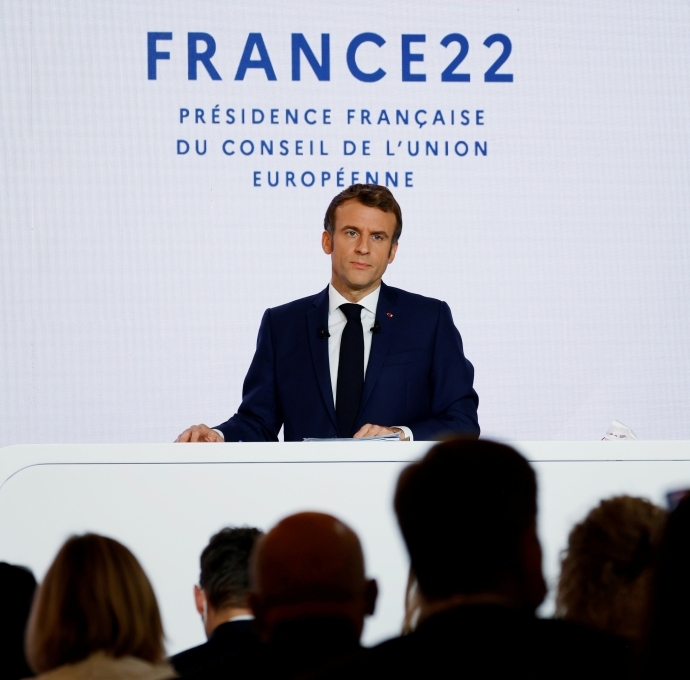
[[242, 428], [433, 429]]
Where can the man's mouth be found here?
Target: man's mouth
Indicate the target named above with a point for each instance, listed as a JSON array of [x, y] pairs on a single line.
[[361, 265]]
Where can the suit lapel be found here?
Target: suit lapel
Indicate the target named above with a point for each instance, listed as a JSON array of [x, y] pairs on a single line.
[[380, 342], [317, 318]]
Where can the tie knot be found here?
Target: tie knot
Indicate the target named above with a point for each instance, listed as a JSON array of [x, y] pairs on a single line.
[[351, 311]]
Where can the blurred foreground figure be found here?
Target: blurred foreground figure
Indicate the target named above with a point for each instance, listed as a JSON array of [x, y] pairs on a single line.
[[309, 594], [222, 600], [17, 586], [606, 572], [95, 616], [669, 625], [467, 512]]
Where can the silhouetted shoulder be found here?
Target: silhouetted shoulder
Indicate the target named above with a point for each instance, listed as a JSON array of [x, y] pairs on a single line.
[[587, 648], [190, 659], [227, 640], [491, 644]]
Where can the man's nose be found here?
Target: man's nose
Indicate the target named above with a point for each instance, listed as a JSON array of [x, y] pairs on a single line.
[[362, 245]]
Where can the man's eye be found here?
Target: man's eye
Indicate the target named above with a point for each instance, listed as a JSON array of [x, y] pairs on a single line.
[[351, 233], [377, 237]]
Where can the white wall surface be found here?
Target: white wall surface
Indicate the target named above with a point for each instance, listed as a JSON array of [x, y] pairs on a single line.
[[133, 279]]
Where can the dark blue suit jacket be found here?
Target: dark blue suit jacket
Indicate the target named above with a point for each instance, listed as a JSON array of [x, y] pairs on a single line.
[[227, 641], [417, 374]]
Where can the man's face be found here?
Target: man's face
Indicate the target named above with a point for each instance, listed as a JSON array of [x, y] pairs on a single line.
[[360, 247]]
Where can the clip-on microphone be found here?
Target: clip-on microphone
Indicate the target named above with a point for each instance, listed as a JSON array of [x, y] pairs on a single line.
[[376, 328]]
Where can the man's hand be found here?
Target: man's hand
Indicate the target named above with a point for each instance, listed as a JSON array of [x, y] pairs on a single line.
[[199, 433], [370, 430]]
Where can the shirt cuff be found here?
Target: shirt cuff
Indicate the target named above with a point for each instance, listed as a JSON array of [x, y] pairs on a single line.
[[407, 431], [222, 436]]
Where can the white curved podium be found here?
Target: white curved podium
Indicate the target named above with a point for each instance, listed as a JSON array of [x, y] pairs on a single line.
[[165, 500]]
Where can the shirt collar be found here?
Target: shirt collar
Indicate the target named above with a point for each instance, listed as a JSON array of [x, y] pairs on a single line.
[[369, 302]]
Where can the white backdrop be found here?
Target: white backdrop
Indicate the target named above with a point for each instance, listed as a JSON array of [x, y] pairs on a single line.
[[133, 278]]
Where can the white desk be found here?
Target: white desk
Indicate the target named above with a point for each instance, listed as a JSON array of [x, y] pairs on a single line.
[[165, 500]]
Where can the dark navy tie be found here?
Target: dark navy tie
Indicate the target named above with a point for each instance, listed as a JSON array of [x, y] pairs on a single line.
[[350, 371]]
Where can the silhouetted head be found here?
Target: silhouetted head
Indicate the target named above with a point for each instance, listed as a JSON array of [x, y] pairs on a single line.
[[606, 571], [223, 588], [309, 566], [467, 512], [95, 597]]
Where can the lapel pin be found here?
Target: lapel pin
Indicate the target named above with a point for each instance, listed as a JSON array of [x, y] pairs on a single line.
[[389, 314]]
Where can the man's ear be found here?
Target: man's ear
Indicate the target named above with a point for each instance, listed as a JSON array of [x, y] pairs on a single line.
[[391, 255], [199, 599], [327, 242], [371, 593]]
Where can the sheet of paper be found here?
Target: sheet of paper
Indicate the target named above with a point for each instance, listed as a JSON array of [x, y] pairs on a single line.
[[383, 438], [619, 432]]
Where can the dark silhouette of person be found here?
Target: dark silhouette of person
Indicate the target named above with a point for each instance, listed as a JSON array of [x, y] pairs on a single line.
[[607, 568], [467, 512], [221, 599], [666, 654], [309, 594], [95, 616], [18, 588]]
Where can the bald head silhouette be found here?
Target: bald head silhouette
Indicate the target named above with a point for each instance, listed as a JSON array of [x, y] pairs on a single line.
[[310, 565]]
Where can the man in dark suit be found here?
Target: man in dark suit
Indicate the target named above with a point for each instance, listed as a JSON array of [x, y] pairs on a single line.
[[310, 596], [360, 358], [467, 512], [221, 600]]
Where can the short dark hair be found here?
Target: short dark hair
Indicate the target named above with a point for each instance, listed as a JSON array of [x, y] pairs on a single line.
[[463, 510], [371, 195], [225, 566]]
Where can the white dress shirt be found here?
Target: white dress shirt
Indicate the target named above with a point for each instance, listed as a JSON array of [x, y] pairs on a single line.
[[241, 617], [336, 325]]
